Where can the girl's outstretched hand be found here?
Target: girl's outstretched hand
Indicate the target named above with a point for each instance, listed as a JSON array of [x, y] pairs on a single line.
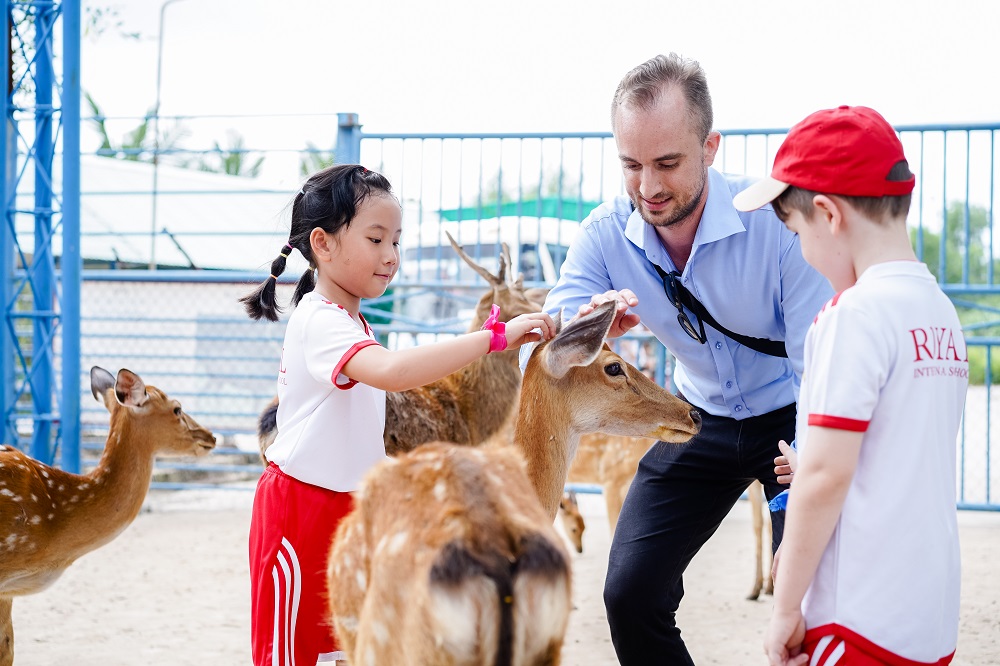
[[521, 329]]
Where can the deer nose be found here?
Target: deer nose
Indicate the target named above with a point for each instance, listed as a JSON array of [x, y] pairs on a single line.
[[696, 419]]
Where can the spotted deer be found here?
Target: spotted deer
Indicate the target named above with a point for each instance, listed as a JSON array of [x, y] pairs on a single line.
[[49, 517], [468, 406], [450, 555]]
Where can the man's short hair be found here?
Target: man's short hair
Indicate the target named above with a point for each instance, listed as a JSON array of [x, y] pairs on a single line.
[[643, 86]]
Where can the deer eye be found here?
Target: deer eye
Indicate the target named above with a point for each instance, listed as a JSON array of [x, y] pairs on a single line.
[[177, 410], [614, 369]]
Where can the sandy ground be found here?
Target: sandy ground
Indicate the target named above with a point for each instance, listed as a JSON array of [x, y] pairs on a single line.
[[172, 590]]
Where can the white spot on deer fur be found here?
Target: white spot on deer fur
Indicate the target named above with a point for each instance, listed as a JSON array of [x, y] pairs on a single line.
[[50, 483], [380, 632], [440, 489], [369, 659], [73, 499], [398, 541], [362, 581], [45, 474], [35, 520], [84, 486], [348, 562], [349, 623], [34, 497], [11, 541], [51, 516], [6, 492]]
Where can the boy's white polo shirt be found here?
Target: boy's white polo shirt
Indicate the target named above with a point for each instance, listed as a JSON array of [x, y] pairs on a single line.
[[329, 426], [887, 357]]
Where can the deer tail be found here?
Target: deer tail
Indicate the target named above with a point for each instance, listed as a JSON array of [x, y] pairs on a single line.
[[537, 581]]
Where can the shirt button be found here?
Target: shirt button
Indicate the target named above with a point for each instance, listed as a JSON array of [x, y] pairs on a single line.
[[739, 408], [729, 385], [718, 345]]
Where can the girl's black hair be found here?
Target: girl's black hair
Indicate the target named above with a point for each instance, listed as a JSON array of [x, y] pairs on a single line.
[[329, 200]]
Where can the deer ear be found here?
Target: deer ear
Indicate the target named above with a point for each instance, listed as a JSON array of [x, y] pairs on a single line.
[[130, 389], [100, 381], [579, 342]]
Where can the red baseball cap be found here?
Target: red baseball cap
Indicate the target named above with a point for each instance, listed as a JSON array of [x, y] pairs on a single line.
[[849, 150]]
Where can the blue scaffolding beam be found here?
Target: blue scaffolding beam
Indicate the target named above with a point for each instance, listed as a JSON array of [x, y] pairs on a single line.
[[40, 271]]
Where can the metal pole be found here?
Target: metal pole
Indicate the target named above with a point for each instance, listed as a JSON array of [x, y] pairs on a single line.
[[41, 374], [8, 169], [156, 133], [348, 149], [71, 263]]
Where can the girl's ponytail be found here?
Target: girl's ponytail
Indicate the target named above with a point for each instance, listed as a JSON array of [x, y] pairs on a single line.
[[262, 303]]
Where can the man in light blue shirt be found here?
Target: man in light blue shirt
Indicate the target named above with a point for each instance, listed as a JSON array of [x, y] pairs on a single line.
[[677, 235]]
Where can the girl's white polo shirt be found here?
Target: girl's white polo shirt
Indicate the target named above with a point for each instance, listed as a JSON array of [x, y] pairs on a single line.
[[329, 426], [887, 358]]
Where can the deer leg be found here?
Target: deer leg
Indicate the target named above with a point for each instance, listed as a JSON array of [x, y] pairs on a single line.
[[6, 632], [768, 582], [756, 508]]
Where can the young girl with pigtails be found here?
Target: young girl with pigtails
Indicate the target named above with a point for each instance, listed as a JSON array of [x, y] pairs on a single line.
[[332, 380]]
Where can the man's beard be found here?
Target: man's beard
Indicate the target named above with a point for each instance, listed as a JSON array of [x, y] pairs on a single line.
[[681, 214]]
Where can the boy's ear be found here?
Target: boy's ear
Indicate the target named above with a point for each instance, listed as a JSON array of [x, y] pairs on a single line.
[[830, 211]]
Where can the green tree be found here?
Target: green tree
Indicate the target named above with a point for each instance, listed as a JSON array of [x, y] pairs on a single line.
[[956, 245], [137, 145], [315, 160], [233, 160]]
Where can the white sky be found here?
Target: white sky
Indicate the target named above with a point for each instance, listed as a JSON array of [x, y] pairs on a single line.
[[541, 65]]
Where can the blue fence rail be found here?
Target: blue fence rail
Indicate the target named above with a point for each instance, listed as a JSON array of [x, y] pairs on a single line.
[[184, 330]]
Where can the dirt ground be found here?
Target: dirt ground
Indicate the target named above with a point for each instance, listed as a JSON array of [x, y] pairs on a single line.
[[172, 590]]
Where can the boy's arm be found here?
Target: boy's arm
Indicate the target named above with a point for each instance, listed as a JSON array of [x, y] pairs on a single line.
[[822, 480]]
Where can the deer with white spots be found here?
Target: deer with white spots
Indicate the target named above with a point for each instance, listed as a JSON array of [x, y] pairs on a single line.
[[49, 517], [450, 556]]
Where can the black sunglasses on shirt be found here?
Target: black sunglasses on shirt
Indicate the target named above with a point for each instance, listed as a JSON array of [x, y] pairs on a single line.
[[670, 288]]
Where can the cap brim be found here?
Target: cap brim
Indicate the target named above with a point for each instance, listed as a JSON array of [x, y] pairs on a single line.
[[759, 194]]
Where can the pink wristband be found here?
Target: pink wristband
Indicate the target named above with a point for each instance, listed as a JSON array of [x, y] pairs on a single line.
[[497, 329]]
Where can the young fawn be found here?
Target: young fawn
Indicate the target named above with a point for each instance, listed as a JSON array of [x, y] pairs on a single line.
[[472, 570], [49, 518]]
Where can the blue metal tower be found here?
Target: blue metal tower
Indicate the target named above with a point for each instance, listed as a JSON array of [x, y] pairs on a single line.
[[40, 260]]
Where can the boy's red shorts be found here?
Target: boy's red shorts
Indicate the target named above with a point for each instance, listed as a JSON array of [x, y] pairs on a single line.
[[833, 644], [290, 535]]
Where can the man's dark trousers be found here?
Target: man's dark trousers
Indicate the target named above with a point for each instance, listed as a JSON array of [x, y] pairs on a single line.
[[680, 494]]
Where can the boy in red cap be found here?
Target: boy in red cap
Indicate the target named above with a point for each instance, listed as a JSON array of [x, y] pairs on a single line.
[[869, 566]]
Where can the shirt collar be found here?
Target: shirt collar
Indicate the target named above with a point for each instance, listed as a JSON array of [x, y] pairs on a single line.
[[719, 220]]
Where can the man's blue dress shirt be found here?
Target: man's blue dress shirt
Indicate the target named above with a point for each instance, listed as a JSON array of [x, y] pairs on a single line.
[[745, 268]]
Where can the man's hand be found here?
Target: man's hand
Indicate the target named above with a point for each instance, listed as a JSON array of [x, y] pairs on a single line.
[[624, 320], [785, 464]]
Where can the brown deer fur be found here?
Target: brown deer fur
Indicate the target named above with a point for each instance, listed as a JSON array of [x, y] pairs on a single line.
[[49, 518], [578, 386], [449, 557]]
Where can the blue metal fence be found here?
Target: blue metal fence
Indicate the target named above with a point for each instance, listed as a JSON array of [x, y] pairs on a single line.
[[185, 332]]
